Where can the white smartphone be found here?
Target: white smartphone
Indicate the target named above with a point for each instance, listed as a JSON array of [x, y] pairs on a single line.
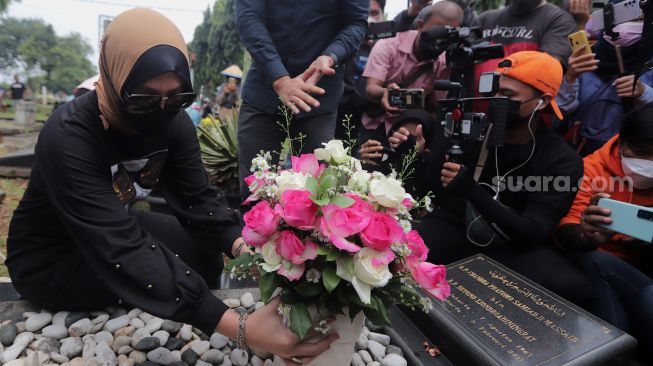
[[628, 219], [623, 12]]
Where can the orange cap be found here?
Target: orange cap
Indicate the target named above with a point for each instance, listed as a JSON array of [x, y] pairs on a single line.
[[537, 69]]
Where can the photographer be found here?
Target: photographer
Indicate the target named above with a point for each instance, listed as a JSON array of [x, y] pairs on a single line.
[[504, 215], [594, 94], [527, 25], [626, 294], [397, 60]]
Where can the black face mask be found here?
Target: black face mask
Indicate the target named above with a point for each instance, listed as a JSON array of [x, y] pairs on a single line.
[[152, 123], [514, 120], [523, 7], [428, 49]]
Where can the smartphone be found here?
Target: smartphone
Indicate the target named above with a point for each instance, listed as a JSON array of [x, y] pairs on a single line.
[[579, 40], [406, 98], [623, 12], [628, 219], [380, 30]]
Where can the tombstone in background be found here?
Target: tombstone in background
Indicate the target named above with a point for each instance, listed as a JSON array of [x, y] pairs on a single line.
[[494, 316], [25, 113]]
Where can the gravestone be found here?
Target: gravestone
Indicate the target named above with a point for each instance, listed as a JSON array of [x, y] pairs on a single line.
[[494, 316], [25, 113]]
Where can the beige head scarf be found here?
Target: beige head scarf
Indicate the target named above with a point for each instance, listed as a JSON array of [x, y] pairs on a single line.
[[128, 36]]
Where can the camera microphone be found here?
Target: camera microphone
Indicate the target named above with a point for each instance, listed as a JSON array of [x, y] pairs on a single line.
[[446, 85]]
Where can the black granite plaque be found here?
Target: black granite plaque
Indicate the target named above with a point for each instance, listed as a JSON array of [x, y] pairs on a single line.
[[503, 318]]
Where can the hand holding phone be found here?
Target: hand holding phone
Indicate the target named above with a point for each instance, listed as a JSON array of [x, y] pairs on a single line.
[[406, 98], [579, 63], [579, 40], [628, 219]]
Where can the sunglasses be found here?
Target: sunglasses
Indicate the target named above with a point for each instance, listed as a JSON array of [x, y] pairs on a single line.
[[147, 103]]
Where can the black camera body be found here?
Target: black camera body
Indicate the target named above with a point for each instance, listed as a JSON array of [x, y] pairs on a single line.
[[380, 30], [463, 46], [406, 98]]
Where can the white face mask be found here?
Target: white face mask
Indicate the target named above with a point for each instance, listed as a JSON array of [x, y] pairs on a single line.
[[640, 170]]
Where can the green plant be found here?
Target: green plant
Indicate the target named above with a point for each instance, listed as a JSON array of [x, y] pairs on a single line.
[[219, 147]]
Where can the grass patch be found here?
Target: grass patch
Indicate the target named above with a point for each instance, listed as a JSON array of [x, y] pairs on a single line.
[[14, 190]]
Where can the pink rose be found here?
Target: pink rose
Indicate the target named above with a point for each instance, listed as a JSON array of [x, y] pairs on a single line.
[[297, 209], [339, 223], [260, 224], [381, 232], [407, 203], [307, 164], [291, 248], [416, 244], [293, 272], [430, 277]]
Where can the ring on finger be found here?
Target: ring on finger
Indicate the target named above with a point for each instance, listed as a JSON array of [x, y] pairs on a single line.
[[296, 360]]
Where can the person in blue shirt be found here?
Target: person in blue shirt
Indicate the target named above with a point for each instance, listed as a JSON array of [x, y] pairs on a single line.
[[594, 95], [296, 49]]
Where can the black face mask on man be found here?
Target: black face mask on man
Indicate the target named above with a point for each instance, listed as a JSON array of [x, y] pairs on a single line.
[[427, 46], [511, 113]]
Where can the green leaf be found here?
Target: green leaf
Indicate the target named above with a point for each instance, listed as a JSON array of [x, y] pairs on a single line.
[[323, 250], [326, 182], [321, 201], [348, 262], [300, 320], [330, 279], [245, 259], [289, 297], [312, 185], [354, 310], [342, 201], [379, 314], [267, 283], [308, 289], [333, 255]]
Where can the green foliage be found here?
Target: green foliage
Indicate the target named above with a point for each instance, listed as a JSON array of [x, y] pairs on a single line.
[[219, 147], [32, 44], [300, 320], [4, 4], [216, 44], [267, 284], [330, 278]]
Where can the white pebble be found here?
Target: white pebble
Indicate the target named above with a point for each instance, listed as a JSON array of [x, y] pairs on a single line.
[[117, 323], [55, 331], [80, 327], [232, 303], [37, 321], [218, 341], [137, 323], [394, 359], [246, 300], [153, 324], [162, 335], [200, 347], [104, 336]]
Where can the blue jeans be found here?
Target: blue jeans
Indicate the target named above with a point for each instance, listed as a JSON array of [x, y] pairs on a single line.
[[625, 295]]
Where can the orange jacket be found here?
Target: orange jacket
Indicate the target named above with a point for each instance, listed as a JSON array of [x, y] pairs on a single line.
[[601, 168]]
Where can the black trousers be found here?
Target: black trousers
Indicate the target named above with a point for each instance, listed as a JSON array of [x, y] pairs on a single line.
[[259, 131], [84, 290], [445, 235]]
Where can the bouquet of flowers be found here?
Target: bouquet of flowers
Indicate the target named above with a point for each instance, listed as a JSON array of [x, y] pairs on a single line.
[[336, 238]]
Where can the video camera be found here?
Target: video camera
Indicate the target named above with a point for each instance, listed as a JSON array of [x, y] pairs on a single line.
[[463, 46], [380, 30], [461, 123]]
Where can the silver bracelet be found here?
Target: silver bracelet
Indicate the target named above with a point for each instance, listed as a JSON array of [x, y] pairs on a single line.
[[240, 335]]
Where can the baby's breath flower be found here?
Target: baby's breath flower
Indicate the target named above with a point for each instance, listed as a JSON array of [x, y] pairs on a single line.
[[313, 275]]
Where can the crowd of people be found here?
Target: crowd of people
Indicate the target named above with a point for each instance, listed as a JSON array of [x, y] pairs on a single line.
[[577, 118]]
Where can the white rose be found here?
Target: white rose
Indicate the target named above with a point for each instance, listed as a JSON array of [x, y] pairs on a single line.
[[290, 180], [356, 165], [388, 192], [270, 256], [333, 150], [360, 181], [367, 275]]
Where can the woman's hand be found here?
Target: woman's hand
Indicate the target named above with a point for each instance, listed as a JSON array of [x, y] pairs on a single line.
[[265, 331], [579, 63]]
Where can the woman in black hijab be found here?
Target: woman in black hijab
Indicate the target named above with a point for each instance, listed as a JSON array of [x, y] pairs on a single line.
[[73, 242]]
